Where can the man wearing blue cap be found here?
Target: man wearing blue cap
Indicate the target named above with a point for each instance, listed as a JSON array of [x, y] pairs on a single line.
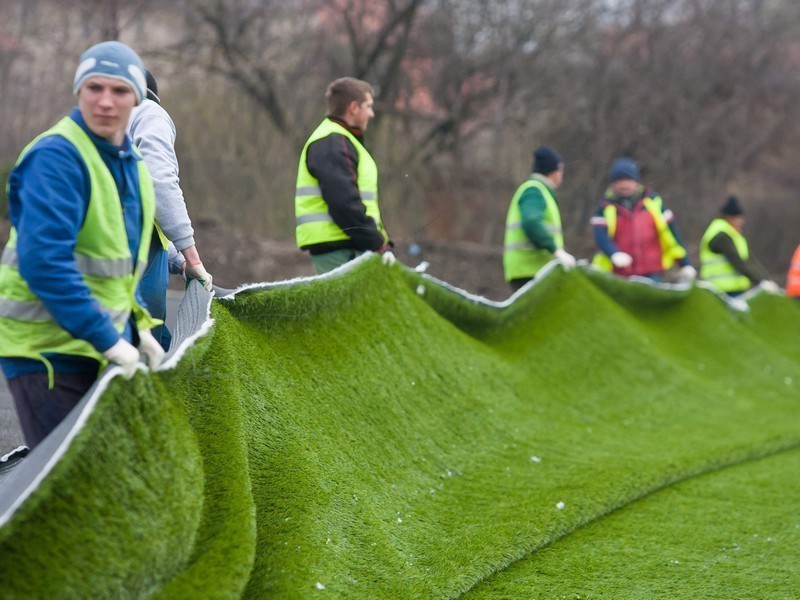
[[633, 230], [81, 205]]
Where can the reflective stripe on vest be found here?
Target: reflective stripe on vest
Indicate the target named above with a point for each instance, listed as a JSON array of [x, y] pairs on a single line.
[[23, 310], [102, 256], [521, 259], [671, 250], [314, 190], [314, 224], [714, 267], [97, 267]]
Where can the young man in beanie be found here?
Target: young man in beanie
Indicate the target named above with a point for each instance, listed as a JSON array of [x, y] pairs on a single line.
[[336, 197], [82, 206], [633, 230], [725, 260], [533, 224], [153, 132]]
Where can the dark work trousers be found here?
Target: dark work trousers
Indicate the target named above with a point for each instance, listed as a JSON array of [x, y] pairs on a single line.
[[153, 290], [41, 409]]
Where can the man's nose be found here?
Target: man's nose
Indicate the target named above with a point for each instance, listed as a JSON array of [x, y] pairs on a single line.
[[105, 98]]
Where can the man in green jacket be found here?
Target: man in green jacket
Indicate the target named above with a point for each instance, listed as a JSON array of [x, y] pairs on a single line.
[[533, 225]]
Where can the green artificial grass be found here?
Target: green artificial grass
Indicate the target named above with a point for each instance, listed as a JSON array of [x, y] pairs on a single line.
[[377, 435], [729, 534], [117, 516]]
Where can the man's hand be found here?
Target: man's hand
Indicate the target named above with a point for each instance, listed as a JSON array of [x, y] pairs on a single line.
[[688, 273], [565, 258], [125, 355], [150, 348], [621, 260], [198, 271]]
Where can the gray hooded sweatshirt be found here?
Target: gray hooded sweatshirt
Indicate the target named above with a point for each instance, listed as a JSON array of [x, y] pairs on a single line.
[[152, 130]]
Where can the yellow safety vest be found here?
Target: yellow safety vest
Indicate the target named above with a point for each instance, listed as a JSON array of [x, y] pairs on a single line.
[[671, 250], [714, 267], [521, 259], [102, 255], [314, 224]]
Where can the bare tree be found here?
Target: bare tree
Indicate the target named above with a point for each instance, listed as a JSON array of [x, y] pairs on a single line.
[[694, 94], [267, 48], [700, 92]]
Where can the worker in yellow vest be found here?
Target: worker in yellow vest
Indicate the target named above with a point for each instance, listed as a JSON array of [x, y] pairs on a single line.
[[336, 198], [635, 233], [533, 234], [725, 260], [82, 208]]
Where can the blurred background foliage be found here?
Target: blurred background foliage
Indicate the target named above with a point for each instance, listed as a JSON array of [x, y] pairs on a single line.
[[703, 93]]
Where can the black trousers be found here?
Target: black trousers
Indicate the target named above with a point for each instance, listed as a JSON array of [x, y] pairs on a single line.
[[41, 409]]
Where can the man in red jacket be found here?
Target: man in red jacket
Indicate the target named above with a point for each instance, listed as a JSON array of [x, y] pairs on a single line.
[[634, 232]]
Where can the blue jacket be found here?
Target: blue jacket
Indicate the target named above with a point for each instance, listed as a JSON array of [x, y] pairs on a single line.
[[48, 196]]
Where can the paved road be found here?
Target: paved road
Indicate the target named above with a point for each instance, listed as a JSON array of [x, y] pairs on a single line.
[[10, 435]]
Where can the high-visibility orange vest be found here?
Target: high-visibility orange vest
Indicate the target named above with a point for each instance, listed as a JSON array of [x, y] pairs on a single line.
[[793, 277]]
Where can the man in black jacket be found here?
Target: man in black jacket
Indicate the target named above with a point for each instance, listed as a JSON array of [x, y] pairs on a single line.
[[725, 259], [336, 198]]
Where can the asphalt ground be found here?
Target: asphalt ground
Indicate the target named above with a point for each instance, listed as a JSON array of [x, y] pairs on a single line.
[[10, 434]]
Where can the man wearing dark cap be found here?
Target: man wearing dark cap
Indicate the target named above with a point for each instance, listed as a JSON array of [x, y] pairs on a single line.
[[633, 230], [533, 225], [82, 205], [725, 260]]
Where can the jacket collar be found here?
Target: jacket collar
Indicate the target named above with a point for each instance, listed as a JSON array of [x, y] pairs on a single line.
[[354, 130], [103, 145]]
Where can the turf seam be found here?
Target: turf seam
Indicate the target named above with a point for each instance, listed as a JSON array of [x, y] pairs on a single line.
[[750, 458]]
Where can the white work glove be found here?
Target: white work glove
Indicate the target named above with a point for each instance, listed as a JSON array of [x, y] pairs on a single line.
[[125, 355], [770, 286], [688, 273], [150, 348], [621, 260], [388, 258], [198, 272], [565, 258]]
